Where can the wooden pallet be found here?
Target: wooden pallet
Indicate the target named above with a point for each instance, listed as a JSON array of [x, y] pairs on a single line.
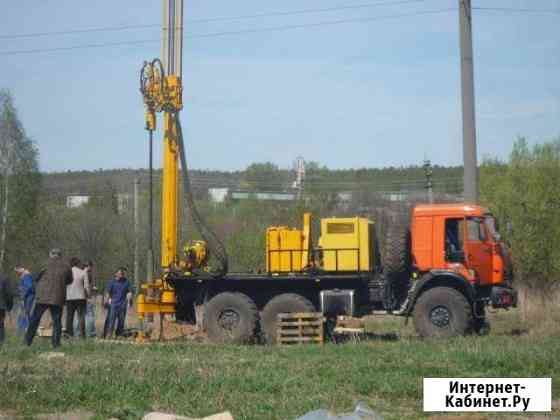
[[300, 327], [44, 332], [349, 325]]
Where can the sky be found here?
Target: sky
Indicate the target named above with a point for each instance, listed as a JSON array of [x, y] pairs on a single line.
[[376, 93]]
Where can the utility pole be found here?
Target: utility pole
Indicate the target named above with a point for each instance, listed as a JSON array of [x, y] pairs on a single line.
[[470, 177], [136, 238], [300, 176], [429, 185]]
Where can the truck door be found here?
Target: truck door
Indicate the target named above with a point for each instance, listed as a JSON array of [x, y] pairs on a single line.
[[479, 249]]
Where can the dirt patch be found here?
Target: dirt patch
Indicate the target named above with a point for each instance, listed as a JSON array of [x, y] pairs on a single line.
[[70, 415], [52, 355]]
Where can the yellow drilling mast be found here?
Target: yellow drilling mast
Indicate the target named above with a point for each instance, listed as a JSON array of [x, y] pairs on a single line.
[[161, 87]]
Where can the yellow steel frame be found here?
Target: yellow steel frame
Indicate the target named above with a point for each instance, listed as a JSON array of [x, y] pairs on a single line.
[[164, 94], [169, 192]]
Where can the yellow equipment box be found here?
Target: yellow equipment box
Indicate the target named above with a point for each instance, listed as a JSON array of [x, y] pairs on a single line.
[[347, 244], [284, 249]]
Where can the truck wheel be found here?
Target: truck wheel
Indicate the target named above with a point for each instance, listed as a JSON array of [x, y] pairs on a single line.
[[231, 318], [284, 303], [442, 312]]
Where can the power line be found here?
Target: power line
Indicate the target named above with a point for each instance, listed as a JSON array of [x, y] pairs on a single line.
[[78, 31], [326, 23], [212, 19], [307, 11], [226, 33], [507, 9], [79, 47], [324, 186]]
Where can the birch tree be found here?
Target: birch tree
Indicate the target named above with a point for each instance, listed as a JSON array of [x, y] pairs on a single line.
[[19, 178]]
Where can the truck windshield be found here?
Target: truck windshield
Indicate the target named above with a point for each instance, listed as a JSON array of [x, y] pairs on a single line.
[[490, 223], [475, 230]]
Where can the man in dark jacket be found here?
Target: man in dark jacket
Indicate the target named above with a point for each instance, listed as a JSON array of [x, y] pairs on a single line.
[[50, 294], [6, 303]]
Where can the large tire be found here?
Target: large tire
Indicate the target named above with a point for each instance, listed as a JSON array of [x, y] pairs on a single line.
[[231, 318], [396, 264], [396, 259], [442, 312], [284, 303]]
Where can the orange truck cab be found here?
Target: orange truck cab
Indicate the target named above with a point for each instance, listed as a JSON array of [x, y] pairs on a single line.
[[457, 246], [461, 238]]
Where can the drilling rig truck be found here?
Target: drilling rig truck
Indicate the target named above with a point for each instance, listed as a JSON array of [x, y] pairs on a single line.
[[442, 268]]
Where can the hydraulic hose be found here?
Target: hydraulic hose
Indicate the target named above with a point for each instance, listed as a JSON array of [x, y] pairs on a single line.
[[149, 75], [215, 246]]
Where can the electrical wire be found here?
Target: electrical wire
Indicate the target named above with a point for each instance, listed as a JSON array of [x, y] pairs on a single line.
[[79, 31], [79, 47], [255, 16], [513, 10], [285, 187], [213, 19], [239, 32], [325, 23], [308, 11]]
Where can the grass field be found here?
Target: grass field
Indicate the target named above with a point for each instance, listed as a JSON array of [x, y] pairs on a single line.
[[259, 382]]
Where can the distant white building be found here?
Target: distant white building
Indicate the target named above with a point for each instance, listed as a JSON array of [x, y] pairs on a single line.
[[395, 195], [218, 195], [344, 196], [75, 201], [263, 196], [124, 202]]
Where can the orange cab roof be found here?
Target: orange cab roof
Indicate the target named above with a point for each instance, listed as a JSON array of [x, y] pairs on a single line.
[[452, 209]]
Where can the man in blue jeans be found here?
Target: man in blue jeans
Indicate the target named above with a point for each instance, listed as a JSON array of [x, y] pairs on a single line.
[[119, 294], [90, 309], [27, 295], [90, 303]]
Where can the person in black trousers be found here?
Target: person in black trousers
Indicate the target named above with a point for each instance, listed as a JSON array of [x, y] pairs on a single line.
[[51, 294], [6, 303]]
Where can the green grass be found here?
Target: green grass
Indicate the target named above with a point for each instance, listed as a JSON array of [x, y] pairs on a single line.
[[258, 382]]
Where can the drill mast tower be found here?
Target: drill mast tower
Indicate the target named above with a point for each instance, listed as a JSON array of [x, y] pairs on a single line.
[[172, 53], [161, 87]]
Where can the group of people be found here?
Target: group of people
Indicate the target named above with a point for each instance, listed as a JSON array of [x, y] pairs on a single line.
[[61, 285]]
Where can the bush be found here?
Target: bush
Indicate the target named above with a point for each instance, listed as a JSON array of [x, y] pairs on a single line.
[[524, 194]]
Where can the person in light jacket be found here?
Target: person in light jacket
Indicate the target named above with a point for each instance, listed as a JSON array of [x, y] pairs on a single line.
[[76, 298], [50, 294]]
